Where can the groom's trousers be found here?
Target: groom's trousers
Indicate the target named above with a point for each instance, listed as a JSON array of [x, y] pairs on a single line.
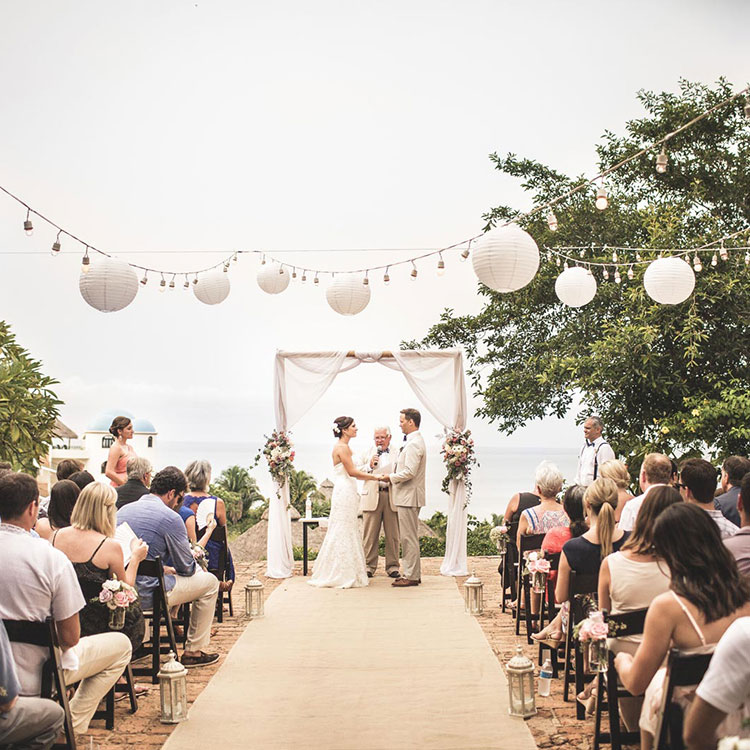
[[408, 523], [373, 519]]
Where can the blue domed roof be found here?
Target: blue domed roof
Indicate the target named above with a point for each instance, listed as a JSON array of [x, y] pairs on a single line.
[[143, 425], [104, 420]]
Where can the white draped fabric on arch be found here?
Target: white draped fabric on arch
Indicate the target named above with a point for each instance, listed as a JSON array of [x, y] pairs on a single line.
[[437, 379]]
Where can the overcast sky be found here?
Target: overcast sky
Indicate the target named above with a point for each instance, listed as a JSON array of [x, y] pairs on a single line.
[[153, 129]]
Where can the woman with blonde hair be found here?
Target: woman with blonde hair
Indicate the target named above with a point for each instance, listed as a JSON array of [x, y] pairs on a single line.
[[618, 473], [96, 556]]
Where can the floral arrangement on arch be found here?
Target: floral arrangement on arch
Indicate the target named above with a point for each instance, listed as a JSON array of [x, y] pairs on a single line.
[[279, 453], [459, 458], [118, 597]]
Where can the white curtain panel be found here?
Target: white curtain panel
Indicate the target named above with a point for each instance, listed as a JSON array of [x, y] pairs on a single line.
[[301, 378]]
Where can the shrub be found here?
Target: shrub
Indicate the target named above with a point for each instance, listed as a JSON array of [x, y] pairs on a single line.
[[311, 553]]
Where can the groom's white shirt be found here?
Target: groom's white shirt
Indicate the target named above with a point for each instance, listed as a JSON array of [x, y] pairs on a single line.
[[408, 480]]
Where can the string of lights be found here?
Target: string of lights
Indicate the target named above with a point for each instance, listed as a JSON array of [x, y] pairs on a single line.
[[601, 202]]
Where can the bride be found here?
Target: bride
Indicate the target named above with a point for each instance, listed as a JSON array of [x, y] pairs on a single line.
[[341, 560]]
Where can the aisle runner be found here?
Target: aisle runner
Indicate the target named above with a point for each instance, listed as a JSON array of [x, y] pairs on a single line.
[[361, 669]]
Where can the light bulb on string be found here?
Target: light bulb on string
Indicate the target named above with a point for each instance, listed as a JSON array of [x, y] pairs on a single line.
[[714, 260], [144, 280], [386, 277], [605, 273], [697, 265], [263, 259], [294, 272], [195, 280], [441, 266], [602, 199], [637, 256], [618, 278], [557, 260], [304, 275], [614, 257], [315, 280], [163, 284], [235, 257], [85, 261], [171, 283], [661, 161], [366, 281], [565, 265], [28, 227], [465, 253], [413, 273], [281, 269], [548, 256], [552, 221], [582, 253], [723, 252], [186, 285], [56, 244], [630, 273], [226, 267]]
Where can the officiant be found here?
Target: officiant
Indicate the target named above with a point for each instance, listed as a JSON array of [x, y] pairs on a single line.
[[377, 505]]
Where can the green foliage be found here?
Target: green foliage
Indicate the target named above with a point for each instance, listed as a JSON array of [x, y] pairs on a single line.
[[240, 493], [429, 546], [303, 485], [438, 522], [312, 554], [478, 538], [672, 378], [28, 408]]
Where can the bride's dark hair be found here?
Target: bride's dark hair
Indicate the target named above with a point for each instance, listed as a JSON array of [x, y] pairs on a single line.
[[340, 424]]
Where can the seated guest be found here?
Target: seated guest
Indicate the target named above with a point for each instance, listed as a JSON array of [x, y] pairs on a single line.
[[82, 478], [618, 473], [656, 469], [39, 582], [96, 556], [513, 511], [739, 544], [153, 518], [139, 478], [707, 595], [24, 722], [62, 500], [549, 513], [721, 699], [198, 475], [733, 470], [697, 485], [67, 467]]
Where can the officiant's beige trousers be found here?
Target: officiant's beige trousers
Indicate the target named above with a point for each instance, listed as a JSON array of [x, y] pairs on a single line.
[[373, 519], [201, 590], [408, 523]]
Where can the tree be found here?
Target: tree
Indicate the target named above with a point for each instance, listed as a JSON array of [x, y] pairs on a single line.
[[28, 408], [667, 378], [301, 486], [239, 490]]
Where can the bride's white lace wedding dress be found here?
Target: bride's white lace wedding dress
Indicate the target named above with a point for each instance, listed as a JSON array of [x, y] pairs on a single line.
[[341, 560]]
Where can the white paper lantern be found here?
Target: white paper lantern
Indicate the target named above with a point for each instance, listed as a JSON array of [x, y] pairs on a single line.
[[110, 284], [212, 287], [347, 295], [506, 259], [575, 286], [669, 281], [273, 278]]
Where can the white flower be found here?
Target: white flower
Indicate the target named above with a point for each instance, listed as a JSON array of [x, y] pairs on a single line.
[[112, 585], [728, 743]]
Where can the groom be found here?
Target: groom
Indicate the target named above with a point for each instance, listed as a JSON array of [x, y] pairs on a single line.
[[408, 494]]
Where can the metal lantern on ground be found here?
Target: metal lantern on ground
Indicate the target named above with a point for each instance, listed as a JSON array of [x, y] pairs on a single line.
[[347, 295], [506, 259], [473, 595], [669, 281], [520, 673], [173, 691], [273, 278], [212, 287], [254, 598], [109, 285], [575, 286]]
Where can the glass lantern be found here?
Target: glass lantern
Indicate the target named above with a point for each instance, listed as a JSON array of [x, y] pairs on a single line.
[[501, 544], [173, 691], [254, 598], [473, 595], [539, 581], [520, 672]]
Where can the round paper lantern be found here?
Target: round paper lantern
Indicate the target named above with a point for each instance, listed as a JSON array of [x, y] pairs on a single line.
[[669, 281], [273, 278], [575, 286], [212, 287], [506, 259], [347, 295], [110, 284]]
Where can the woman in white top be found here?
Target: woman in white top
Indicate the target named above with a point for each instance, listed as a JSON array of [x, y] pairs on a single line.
[[618, 473]]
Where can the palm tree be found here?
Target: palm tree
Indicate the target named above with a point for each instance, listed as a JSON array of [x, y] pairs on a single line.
[[236, 479], [301, 486]]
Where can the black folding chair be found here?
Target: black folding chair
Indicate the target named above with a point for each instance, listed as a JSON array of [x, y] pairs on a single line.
[[157, 616], [620, 626], [548, 611], [529, 543], [220, 535], [581, 585], [683, 670], [44, 635]]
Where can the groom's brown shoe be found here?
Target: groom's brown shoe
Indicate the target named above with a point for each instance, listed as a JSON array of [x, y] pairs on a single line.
[[401, 582]]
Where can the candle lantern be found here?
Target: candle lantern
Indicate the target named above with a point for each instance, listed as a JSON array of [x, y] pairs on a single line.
[[254, 598], [473, 595], [520, 672], [173, 691]]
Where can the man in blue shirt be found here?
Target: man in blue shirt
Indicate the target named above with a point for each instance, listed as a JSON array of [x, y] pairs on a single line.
[[153, 518], [24, 722]]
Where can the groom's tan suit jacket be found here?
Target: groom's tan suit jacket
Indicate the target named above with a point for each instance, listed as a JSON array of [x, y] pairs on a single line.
[[408, 480]]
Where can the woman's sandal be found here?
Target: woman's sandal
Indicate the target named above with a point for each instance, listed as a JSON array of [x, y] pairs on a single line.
[[588, 701], [552, 639]]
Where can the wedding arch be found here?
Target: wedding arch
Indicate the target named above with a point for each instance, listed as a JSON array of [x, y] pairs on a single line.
[[437, 379]]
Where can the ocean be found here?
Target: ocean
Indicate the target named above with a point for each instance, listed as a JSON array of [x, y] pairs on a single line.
[[501, 472]]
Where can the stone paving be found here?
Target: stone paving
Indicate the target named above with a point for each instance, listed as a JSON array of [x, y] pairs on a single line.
[[555, 724]]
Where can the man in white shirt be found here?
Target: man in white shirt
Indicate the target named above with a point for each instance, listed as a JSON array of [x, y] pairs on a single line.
[[377, 505], [656, 470], [39, 582], [698, 486], [594, 453], [724, 688]]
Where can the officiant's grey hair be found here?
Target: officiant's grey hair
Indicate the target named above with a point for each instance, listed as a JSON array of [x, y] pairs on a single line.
[[383, 427]]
